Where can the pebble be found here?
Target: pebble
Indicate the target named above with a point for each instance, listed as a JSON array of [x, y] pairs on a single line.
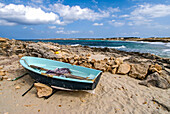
[[1, 67], [2, 73], [9, 79], [17, 87]]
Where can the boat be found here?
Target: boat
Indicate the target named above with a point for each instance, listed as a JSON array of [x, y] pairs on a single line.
[[80, 78]]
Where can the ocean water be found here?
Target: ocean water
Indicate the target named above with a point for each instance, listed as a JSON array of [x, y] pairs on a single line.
[[157, 48]]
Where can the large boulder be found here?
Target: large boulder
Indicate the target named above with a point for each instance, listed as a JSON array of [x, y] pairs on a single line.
[[139, 71], [156, 80], [123, 68], [43, 90]]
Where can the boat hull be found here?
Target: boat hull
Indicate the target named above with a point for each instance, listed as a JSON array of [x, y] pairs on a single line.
[[64, 83]]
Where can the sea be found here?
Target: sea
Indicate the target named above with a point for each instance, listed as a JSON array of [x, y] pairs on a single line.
[[158, 48]]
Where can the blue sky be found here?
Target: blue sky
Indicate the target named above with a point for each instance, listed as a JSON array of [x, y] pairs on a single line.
[[84, 18]]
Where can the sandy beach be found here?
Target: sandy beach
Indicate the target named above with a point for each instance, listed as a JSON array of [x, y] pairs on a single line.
[[115, 93]]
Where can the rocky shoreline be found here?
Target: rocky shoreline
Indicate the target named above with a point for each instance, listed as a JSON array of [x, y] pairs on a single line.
[[134, 64]]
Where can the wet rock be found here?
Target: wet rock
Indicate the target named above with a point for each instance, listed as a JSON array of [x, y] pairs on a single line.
[[43, 90], [123, 68], [156, 80], [139, 71]]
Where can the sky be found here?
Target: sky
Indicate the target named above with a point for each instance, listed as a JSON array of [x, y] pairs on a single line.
[[31, 19]]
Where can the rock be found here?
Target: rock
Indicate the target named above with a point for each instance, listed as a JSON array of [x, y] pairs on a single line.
[[20, 55], [114, 71], [111, 58], [1, 78], [155, 68], [3, 39], [156, 80], [86, 64], [5, 77], [75, 63], [17, 87], [118, 61], [2, 73], [1, 67], [158, 67], [93, 61], [111, 62], [123, 69], [43, 90], [71, 61], [100, 65], [139, 71], [9, 79]]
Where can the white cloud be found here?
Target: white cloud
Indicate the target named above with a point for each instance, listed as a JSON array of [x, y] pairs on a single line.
[[98, 24], [92, 32], [124, 16], [116, 24], [6, 23], [94, 1], [152, 11], [66, 32], [60, 1], [37, 1], [70, 14], [19, 14], [144, 14], [60, 28], [52, 27], [25, 27], [113, 10]]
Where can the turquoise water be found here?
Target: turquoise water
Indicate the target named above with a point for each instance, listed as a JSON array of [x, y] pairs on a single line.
[[157, 48]]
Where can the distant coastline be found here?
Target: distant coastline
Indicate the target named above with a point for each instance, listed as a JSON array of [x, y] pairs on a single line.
[[152, 39]]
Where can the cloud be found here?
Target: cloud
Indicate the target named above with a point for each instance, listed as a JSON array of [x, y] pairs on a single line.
[[116, 24], [60, 1], [92, 32], [66, 32], [52, 27], [25, 27], [19, 14], [113, 10], [98, 24], [94, 1], [6, 23], [37, 1], [123, 16], [144, 14], [71, 14]]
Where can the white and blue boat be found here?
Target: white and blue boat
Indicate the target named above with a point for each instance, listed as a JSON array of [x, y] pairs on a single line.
[[81, 78]]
